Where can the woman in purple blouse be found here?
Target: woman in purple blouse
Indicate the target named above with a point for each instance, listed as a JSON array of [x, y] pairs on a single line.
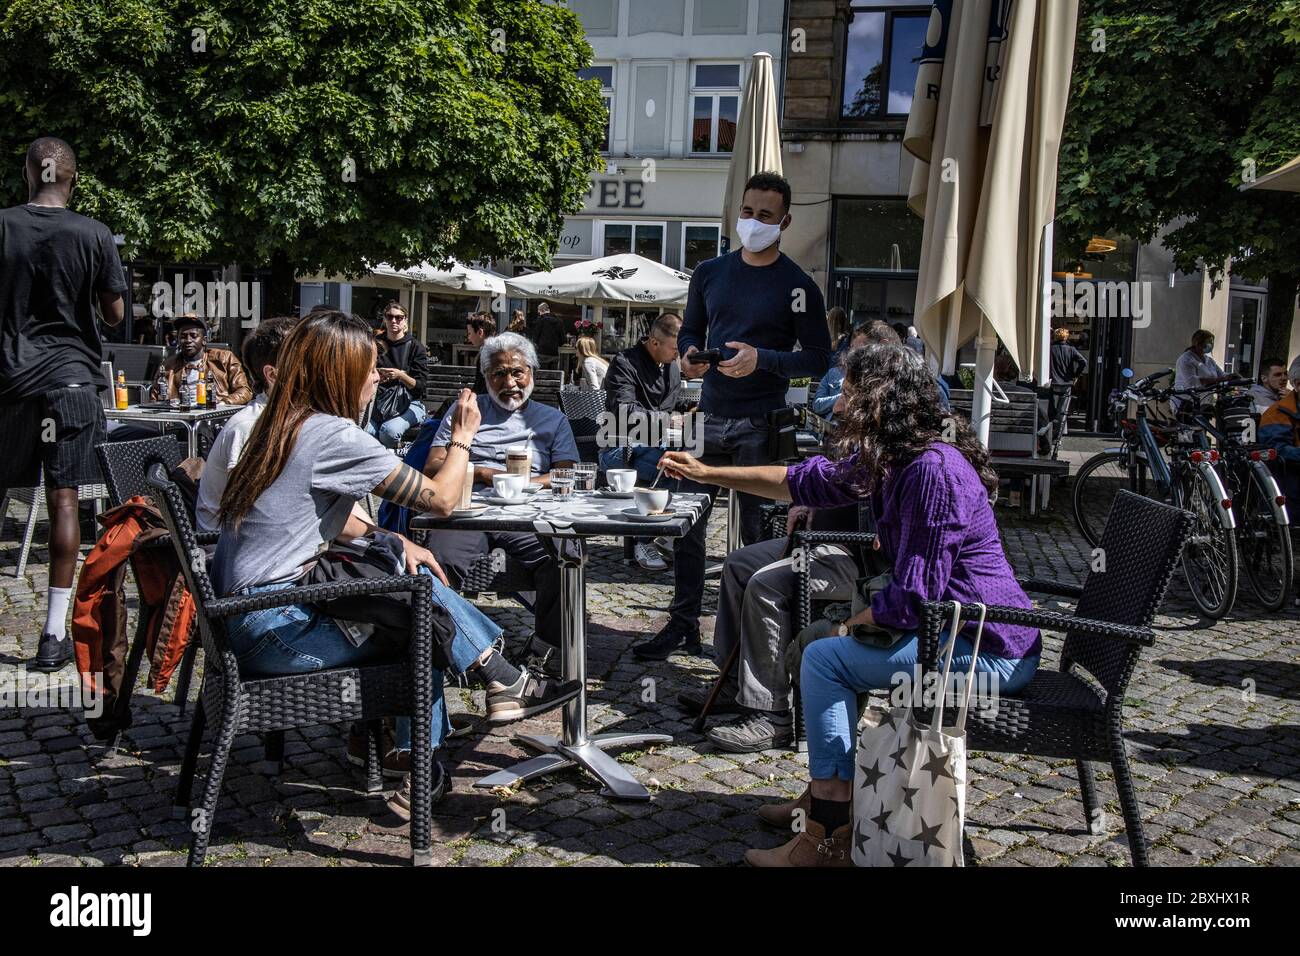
[[936, 526]]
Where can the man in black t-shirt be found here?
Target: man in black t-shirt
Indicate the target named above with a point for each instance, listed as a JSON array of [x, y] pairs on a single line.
[[548, 333], [56, 267]]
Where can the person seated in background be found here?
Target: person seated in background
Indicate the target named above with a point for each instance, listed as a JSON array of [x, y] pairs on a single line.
[[1270, 386], [509, 419], [194, 358], [1196, 367], [828, 392], [1279, 429], [518, 323], [261, 352], [837, 321], [479, 326], [643, 382], [293, 492], [591, 366], [937, 530], [403, 371]]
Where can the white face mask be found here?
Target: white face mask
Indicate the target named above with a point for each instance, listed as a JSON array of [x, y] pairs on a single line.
[[757, 236]]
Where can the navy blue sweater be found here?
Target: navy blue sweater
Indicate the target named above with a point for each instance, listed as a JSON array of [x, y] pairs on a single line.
[[769, 307]]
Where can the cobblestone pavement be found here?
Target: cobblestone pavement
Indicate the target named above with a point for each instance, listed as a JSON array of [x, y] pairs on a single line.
[[1213, 721]]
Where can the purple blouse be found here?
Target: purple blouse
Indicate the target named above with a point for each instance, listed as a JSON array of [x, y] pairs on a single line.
[[937, 526]]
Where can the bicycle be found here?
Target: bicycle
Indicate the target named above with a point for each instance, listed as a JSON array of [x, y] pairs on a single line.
[[1263, 528], [1182, 474]]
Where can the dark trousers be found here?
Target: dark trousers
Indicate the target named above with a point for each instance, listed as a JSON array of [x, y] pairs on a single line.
[[457, 551], [727, 441]]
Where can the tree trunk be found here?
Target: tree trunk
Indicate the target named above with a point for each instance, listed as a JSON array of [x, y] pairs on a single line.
[[280, 294], [1282, 290]]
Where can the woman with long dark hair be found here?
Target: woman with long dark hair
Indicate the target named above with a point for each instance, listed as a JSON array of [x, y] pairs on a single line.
[[929, 485], [305, 465]]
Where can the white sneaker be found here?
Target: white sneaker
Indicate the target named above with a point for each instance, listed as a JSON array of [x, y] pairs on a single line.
[[649, 558]]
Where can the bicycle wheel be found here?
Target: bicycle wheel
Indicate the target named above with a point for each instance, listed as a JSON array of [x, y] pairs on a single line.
[[1101, 478], [1210, 555], [1265, 547]]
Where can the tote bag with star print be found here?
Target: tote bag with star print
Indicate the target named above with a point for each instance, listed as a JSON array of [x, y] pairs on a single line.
[[909, 789]]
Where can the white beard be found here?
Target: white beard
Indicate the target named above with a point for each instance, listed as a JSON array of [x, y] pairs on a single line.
[[515, 403]]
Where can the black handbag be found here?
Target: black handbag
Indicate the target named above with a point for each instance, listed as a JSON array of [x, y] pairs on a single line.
[[390, 614], [781, 441], [391, 402]]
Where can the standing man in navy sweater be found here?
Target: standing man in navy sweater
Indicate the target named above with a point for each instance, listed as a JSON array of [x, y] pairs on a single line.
[[754, 305]]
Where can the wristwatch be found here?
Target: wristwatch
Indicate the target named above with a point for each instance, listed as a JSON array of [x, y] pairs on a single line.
[[841, 629]]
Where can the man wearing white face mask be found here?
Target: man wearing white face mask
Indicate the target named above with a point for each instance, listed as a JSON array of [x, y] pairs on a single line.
[[509, 418], [755, 305]]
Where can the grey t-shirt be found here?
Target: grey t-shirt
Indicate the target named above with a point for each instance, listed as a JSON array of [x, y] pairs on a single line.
[[541, 426], [333, 465]]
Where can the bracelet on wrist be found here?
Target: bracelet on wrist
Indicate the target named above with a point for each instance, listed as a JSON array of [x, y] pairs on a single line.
[[458, 444]]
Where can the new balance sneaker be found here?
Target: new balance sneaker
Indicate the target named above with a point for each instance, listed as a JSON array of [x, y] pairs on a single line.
[[400, 801], [649, 557], [52, 653], [754, 732], [527, 696], [672, 637]]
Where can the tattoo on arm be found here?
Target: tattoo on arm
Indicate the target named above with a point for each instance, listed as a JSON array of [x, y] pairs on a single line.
[[408, 488]]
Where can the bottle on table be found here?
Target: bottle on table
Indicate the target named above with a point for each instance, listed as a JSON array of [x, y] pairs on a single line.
[[211, 388], [119, 391], [200, 392]]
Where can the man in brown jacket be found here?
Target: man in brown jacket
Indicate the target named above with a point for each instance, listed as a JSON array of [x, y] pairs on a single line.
[[194, 356]]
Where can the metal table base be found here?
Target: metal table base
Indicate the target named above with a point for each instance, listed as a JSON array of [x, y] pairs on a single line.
[[575, 746]]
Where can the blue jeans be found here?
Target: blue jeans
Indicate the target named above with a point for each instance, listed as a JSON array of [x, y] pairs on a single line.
[[645, 460], [390, 432], [836, 669], [298, 639]]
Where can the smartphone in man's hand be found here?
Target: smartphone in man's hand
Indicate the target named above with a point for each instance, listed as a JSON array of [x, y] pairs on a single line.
[[706, 357]]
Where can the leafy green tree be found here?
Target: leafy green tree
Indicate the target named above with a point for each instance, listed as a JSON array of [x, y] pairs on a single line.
[[308, 135], [1171, 104]]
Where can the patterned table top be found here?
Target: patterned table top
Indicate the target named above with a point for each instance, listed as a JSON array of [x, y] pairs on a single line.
[[583, 515]]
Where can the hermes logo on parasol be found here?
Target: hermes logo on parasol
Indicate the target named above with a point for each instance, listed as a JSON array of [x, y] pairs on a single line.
[[1102, 300], [646, 296]]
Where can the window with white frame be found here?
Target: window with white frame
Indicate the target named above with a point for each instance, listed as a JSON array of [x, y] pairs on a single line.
[[700, 241], [605, 74], [715, 107], [642, 238]]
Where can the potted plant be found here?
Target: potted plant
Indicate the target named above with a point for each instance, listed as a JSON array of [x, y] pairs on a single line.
[[797, 393]]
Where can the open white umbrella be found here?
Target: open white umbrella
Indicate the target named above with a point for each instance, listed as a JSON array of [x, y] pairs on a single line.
[[757, 148], [612, 280], [458, 277], [1286, 178], [986, 128]]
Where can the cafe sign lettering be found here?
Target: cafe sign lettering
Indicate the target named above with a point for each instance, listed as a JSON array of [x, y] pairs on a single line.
[[617, 193]]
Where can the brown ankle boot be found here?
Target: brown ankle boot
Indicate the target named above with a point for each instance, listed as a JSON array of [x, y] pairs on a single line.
[[781, 815], [810, 848]]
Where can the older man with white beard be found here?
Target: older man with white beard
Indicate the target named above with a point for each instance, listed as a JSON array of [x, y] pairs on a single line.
[[508, 362]]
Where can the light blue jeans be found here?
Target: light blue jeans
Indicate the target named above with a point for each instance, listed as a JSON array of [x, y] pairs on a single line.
[[298, 639], [390, 432], [836, 669]]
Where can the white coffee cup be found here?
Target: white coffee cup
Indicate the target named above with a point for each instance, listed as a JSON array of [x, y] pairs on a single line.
[[652, 500], [509, 486], [621, 479]]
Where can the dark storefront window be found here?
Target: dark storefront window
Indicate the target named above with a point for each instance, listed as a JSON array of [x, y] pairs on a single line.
[[876, 234]]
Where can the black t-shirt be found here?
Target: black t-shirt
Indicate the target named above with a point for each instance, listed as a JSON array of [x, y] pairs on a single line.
[[550, 333], [53, 262]]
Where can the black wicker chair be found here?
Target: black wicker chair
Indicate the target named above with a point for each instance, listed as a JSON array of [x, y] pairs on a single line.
[[272, 705], [124, 465], [1060, 713]]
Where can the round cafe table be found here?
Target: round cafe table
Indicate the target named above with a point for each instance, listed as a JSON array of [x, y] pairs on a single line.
[[565, 525]]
